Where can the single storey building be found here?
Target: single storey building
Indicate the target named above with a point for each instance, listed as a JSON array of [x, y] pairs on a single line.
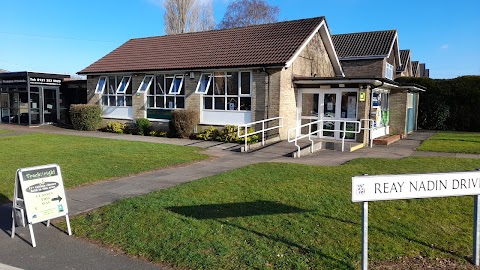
[[241, 75]]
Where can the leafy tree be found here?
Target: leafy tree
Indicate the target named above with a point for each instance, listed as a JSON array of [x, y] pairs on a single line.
[[248, 12], [182, 16]]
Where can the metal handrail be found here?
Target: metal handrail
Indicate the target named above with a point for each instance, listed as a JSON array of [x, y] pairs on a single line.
[[299, 136], [263, 130]]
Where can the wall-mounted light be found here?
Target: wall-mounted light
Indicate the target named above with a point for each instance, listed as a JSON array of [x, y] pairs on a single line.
[[192, 75]]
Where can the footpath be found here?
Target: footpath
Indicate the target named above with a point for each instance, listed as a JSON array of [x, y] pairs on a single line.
[[57, 250]]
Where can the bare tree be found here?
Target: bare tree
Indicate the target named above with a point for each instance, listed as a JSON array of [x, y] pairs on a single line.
[[182, 16], [248, 12]]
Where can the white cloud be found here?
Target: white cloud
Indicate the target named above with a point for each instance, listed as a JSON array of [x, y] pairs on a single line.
[[444, 46]]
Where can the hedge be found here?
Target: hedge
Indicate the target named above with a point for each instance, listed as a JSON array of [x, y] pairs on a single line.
[[448, 104], [85, 116]]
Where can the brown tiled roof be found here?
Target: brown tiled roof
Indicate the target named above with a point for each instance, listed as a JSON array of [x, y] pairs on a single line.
[[259, 45], [364, 44], [414, 67], [404, 57]]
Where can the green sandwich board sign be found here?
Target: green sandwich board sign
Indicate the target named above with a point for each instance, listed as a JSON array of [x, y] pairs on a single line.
[[39, 196]]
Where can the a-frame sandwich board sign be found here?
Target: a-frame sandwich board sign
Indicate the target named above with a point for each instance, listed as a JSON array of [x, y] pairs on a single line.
[[39, 196]]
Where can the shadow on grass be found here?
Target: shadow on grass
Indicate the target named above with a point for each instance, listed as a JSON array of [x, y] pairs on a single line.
[[231, 210], [333, 262], [401, 235]]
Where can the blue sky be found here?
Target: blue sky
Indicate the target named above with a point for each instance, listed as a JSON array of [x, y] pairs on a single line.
[[64, 36]]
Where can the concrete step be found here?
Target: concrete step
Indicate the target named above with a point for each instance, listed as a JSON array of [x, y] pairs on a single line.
[[326, 144]]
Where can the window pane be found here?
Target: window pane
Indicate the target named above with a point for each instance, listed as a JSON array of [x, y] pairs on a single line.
[[160, 84], [111, 85], [128, 101], [170, 104], [150, 102], [329, 105], [160, 102], [203, 83], [210, 86], [232, 103], [219, 103], [168, 84], [100, 85], [111, 101], [177, 85], [145, 84], [207, 103], [232, 83], [245, 103], [120, 101], [219, 83], [349, 105], [124, 83], [245, 83], [105, 100], [181, 102]]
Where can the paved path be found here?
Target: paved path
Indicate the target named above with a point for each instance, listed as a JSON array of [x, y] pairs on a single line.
[[56, 250]]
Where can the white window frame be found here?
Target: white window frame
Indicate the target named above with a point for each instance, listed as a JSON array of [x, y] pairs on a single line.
[[100, 91], [227, 97], [116, 98], [164, 94], [173, 91], [141, 88], [389, 71], [200, 89], [121, 90]]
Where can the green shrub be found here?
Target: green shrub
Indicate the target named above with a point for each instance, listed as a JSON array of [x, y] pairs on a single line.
[[209, 134], [228, 134], [143, 126], [183, 122], [115, 127], [85, 116], [250, 139], [158, 133]]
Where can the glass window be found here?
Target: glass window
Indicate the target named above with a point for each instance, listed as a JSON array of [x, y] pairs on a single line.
[[203, 83], [246, 84], [161, 102], [123, 85], [176, 84], [349, 105], [146, 83], [230, 91], [389, 71], [101, 85]]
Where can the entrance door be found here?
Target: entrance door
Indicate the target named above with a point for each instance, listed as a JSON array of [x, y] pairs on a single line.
[[331, 106], [50, 105]]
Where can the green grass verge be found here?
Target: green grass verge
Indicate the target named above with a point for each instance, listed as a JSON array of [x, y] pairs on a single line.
[[85, 160], [285, 216], [3, 131], [453, 142]]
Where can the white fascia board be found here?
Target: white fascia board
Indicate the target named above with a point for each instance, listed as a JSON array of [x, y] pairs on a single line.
[[328, 45], [368, 57], [395, 47]]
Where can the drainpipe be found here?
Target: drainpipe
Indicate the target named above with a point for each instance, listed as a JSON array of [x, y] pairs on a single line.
[[268, 92]]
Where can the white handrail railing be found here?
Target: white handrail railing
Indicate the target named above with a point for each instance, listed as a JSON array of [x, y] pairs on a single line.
[[370, 129], [263, 130], [319, 123]]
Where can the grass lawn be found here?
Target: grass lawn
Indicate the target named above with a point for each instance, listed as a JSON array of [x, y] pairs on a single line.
[[3, 131], [85, 160], [285, 216], [453, 142]]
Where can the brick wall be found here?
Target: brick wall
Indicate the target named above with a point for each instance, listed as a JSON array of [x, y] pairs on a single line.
[[398, 111], [373, 68]]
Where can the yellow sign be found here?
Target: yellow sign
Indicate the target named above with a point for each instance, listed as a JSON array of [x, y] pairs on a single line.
[[362, 96]]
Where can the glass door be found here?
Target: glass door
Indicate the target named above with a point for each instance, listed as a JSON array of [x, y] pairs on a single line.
[[4, 108], [50, 105], [329, 112], [35, 116]]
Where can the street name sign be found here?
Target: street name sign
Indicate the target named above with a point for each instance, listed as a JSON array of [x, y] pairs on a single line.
[[39, 196], [415, 186]]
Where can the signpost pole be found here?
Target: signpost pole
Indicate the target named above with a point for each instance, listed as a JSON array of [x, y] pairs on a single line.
[[365, 236], [68, 224], [476, 233]]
